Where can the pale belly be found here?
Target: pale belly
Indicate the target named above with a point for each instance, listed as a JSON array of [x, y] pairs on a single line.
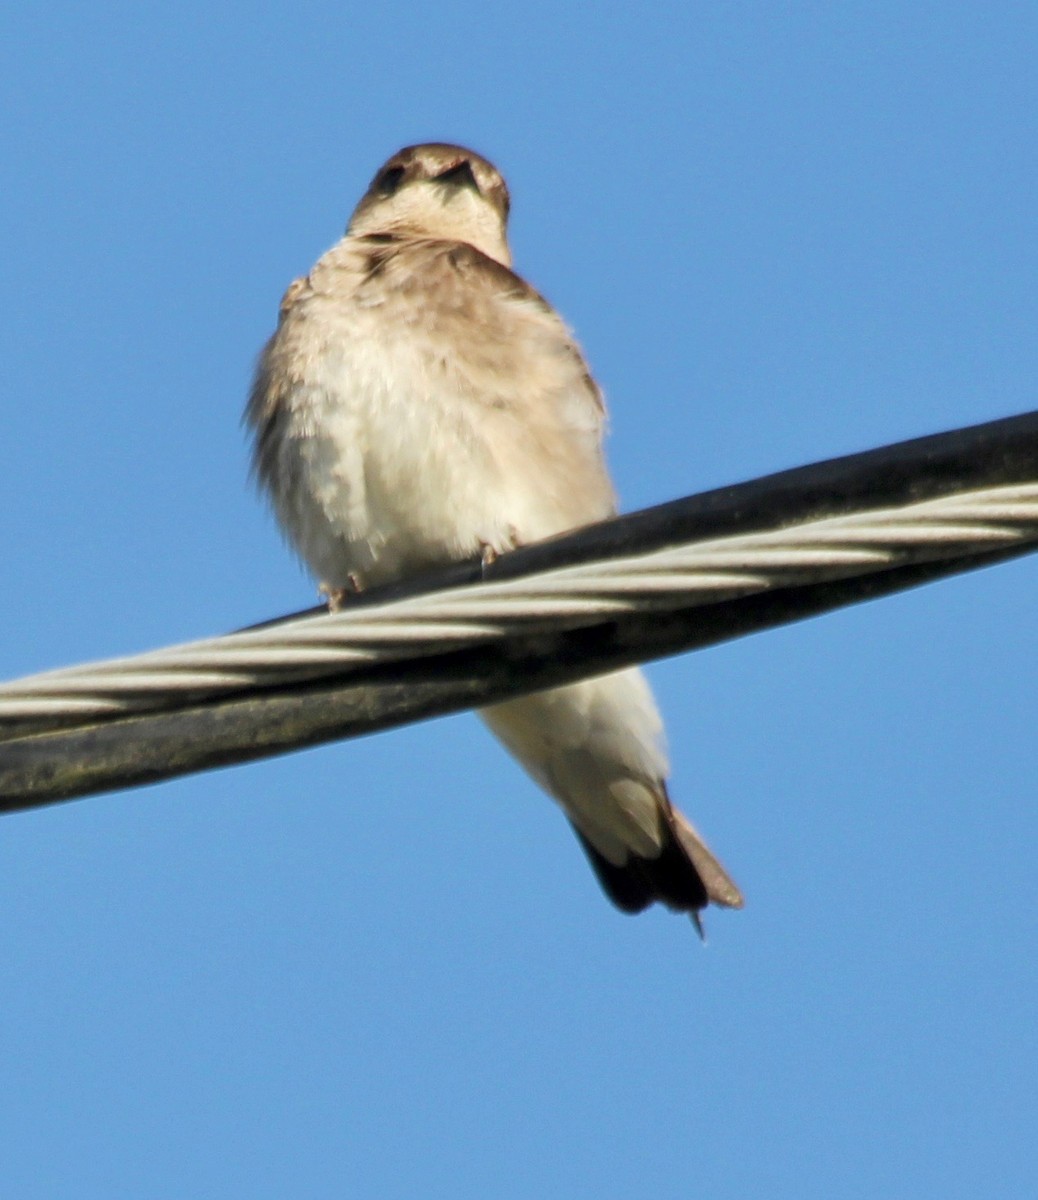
[[389, 473]]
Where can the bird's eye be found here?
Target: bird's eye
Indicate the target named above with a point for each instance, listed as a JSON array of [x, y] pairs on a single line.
[[460, 174], [389, 180]]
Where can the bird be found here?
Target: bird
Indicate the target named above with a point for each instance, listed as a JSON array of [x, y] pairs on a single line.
[[419, 404]]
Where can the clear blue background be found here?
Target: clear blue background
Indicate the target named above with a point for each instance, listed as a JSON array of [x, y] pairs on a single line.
[[782, 232]]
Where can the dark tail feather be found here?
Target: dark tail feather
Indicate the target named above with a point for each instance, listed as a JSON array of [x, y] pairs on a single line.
[[684, 876]]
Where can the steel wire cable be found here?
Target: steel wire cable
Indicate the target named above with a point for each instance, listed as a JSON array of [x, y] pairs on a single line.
[[683, 576]]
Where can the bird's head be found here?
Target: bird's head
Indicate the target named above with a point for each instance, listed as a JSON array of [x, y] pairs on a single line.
[[438, 191]]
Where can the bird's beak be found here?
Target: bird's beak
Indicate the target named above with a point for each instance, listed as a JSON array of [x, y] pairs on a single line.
[[459, 176]]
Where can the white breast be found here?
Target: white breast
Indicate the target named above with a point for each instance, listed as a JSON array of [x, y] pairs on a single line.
[[404, 444]]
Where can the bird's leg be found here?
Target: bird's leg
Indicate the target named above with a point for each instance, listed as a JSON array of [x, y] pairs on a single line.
[[338, 598], [489, 553]]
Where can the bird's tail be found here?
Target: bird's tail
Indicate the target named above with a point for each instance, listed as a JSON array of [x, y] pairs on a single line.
[[685, 875], [596, 747]]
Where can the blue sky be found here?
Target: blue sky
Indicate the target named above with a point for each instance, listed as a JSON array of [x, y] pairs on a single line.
[[782, 232]]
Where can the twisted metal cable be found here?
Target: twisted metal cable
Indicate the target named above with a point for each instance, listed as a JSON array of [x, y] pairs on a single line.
[[682, 576]]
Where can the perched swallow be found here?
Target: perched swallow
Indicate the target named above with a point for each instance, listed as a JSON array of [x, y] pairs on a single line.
[[420, 404]]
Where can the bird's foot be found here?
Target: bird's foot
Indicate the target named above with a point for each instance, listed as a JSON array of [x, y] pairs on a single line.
[[338, 598], [489, 553]]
